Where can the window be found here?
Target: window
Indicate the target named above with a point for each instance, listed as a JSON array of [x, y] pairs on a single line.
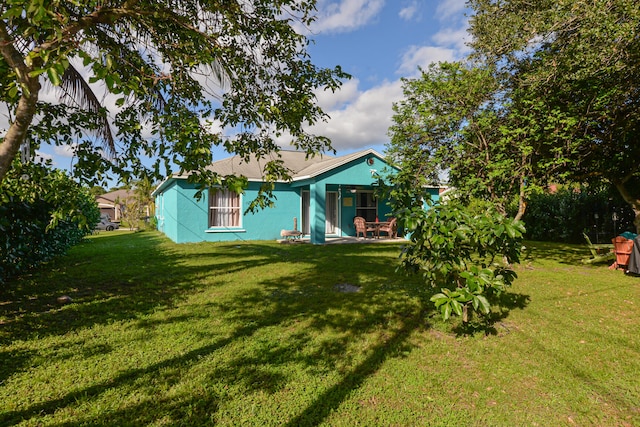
[[366, 206], [224, 208]]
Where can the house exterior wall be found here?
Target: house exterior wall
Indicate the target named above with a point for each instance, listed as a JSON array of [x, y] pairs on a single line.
[[184, 219], [167, 211], [267, 223]]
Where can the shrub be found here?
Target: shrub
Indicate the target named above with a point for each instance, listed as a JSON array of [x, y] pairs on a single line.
[[42, 214], [468, 256]]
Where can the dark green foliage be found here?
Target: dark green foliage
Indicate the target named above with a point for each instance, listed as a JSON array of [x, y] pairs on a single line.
[[571, 71], [42, 214], [185, 76], [548, 93], [565, 215]]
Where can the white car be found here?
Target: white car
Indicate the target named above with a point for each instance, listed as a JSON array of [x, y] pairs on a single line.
[[106, 224]]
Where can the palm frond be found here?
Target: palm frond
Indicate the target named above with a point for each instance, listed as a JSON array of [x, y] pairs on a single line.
[[76, 89]]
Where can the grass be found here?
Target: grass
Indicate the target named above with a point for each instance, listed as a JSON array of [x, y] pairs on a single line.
[[257, 333]]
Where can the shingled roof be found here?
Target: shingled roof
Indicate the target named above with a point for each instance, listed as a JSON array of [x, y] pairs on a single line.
[[297, 162]]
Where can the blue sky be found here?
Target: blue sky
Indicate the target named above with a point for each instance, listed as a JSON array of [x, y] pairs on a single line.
[[378, 42]]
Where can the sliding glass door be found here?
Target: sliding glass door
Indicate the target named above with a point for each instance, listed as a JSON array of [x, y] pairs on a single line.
[[332, 214]]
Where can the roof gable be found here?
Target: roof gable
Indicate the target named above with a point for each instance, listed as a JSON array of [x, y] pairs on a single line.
[[319, 168], [294, 161]]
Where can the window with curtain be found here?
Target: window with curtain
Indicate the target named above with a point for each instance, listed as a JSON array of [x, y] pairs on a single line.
[[224, 208]]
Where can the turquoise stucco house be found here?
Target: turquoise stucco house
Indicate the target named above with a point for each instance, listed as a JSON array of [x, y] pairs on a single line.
[[324, 195]]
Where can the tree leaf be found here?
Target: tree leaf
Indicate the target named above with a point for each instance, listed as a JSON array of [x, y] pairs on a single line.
[[483, 303], [54, 77]]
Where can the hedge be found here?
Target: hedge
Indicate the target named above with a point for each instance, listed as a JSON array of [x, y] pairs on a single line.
[[43, 212], [565, 215]]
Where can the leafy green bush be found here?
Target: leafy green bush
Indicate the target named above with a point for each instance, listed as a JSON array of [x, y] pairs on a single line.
[[42, 214], [467, 255]]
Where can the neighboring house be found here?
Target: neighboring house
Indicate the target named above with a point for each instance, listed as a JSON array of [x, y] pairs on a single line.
[[112, 203], [324, 195]]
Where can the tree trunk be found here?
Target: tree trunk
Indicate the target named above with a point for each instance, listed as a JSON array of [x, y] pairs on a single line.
[[26, 109], [17, 133], [522, 201], [634, 202]]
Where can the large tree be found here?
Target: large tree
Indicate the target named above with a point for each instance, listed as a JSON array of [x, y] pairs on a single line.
[[550, 92], [454, 120], [574, 67], [166, 68]]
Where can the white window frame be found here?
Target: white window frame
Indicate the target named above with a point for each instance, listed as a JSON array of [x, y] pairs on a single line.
[[228, 196]]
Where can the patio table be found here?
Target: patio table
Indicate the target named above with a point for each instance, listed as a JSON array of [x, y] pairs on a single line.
[[376, 226]]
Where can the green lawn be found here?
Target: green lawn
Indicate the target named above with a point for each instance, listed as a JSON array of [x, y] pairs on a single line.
[[258, 333]]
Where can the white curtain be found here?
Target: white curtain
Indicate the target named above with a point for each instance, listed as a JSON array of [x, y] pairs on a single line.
[[224, 208], [331, 213]]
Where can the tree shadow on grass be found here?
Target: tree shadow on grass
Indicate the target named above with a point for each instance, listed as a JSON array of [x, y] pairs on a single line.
[[488, 325], [109, 279], [100, 282], [128, 378], [378, 311], [188, 409], [328, 401], [385, 312], [563, 253]]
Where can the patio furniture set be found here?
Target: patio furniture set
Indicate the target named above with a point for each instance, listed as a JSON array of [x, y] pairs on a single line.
[[363, 227]]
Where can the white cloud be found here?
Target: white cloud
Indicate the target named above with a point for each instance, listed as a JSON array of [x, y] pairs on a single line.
[[64, 151], [365, 119], [422, 56], [450, 9], [449, 43], [409, 12], [329, 100], [345, 15], [455, 38]]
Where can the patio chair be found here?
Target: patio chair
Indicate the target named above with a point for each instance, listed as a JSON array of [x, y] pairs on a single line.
[[622, 249], [599, 253], [391, 228], [361, 227]]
